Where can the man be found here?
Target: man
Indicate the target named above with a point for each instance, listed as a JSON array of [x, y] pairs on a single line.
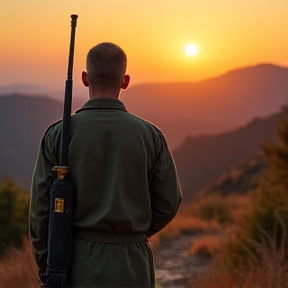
[[125, 182]]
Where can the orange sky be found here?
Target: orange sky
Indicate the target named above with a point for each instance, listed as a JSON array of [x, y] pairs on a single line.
[[229, 34]]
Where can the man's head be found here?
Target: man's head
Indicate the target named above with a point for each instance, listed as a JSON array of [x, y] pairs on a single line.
[[106, 66]]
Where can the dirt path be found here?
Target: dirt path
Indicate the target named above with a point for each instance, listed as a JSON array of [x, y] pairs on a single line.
[[175, 267]]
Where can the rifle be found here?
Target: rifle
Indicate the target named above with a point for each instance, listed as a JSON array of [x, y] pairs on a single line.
[[61, 195]]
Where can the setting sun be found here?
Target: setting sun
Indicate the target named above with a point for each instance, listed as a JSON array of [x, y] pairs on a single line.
[[191, 50]]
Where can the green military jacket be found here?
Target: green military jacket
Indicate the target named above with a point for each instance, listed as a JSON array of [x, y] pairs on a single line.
[[125, 184]]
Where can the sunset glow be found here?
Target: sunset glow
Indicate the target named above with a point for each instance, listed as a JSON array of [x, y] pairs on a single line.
[[154, 34], [191, 50]]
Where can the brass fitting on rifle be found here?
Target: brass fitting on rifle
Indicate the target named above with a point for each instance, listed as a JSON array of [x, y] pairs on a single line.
[[62, 172]]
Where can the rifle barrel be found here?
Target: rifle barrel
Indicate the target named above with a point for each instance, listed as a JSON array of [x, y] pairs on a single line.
[[68, 98]]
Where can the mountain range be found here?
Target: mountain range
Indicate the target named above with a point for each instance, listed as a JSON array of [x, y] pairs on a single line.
[[202, 160], [214, 116], [210, 106]]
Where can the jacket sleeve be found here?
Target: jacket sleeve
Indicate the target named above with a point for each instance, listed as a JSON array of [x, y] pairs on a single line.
[[165, 190], [39, 202]]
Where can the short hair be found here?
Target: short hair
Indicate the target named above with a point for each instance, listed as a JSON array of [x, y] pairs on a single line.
[[106, 65]]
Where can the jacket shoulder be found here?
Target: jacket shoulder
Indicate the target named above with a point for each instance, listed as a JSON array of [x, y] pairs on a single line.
[[148, 124], [52, 128]]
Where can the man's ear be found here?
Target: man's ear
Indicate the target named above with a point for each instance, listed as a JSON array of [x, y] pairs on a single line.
[[126, 81], [85, 79]]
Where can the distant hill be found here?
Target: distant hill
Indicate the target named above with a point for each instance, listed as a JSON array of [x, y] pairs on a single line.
[[201, 160], [240, 179], [23, 121], [18, 88], [211, 106]]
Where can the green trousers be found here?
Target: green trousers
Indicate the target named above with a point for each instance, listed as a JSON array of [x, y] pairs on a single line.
[[112, 265]]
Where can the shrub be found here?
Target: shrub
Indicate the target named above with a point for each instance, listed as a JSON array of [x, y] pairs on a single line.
[[269, 209], [185, 222], [266, 263], [214, 207], [14, 205], [207, 245]]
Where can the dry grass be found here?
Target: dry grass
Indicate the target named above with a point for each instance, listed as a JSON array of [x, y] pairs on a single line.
[[267, 265], [218, 280], [18, 269], [270, 268], [181, 224], [207, 245], [240, 205], [188, 220]]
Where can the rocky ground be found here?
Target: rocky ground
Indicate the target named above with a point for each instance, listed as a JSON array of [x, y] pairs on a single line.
[[175, 266]]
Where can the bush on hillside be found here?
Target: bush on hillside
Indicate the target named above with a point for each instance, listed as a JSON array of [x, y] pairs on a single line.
[[213, 207], [270, 208], [14, 205]]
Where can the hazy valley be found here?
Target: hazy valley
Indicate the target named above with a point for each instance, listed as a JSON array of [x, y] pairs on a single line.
[[210, 126]]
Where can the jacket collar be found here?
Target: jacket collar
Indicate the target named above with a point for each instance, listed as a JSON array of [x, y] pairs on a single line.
[[103, 103]]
